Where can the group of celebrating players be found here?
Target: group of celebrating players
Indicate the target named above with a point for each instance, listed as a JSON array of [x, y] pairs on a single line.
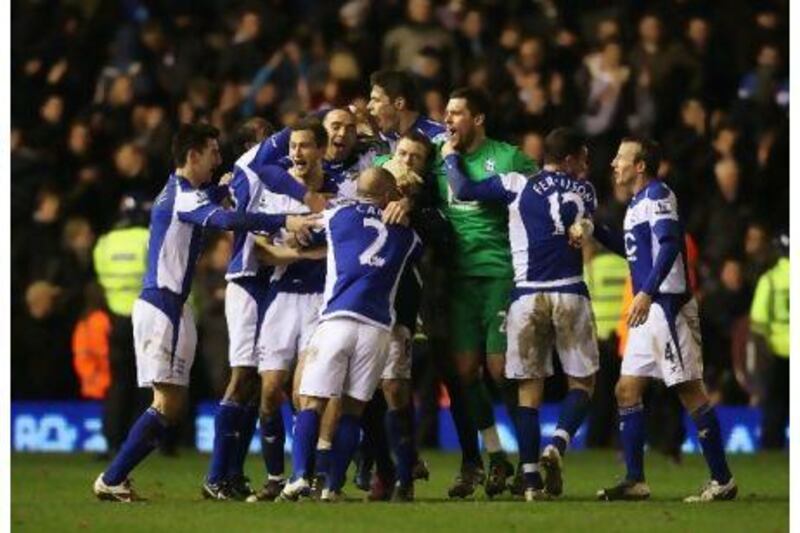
[[325, 287]]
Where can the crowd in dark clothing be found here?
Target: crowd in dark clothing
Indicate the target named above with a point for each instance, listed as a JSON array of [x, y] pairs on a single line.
[[99, 87]]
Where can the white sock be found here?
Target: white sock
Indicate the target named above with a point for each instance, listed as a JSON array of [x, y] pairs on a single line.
[[323, 444]]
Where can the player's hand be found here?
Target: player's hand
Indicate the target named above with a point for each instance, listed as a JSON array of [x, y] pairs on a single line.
[[316, 201], [449, 146], [226, 178], [317, 252], [302, 226], [397, 212], [580, 230], [640, 309]]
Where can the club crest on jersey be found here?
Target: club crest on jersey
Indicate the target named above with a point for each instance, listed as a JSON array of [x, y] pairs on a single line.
[[489, 165], [663, 208]]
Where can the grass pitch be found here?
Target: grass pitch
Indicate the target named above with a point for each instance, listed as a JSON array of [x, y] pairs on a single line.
[[53, 493]]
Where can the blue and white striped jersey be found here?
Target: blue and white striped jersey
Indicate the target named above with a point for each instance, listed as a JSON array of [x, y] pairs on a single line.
[[247, 189], [651, 227], [345, 173], [434, 131], [258, 170], [306, 276], [541, 209], [180, 212], [366, 259]]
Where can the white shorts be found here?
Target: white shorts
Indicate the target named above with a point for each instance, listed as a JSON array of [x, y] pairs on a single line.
[[345, 357], [669, 350], [244, 324], [160, 357], [287, 328], [398, 360], [538, 322]]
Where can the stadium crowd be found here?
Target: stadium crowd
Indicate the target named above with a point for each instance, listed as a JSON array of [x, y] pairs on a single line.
[[98, 88]]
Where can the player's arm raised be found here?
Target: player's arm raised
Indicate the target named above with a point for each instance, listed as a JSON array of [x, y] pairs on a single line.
[[489, 189]]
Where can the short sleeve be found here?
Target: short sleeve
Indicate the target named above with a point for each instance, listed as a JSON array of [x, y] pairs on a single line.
[[663, 205]]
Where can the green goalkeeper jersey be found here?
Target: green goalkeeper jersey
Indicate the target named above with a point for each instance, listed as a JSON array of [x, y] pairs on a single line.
[[481, 228]]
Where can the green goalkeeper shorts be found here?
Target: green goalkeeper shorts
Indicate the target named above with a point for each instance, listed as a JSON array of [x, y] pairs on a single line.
[[478, 313]]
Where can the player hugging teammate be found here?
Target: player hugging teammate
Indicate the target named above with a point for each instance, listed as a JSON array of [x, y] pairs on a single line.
[[329, 303]]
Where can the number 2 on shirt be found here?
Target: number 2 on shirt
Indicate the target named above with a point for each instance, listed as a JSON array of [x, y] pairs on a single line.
[[555, 200], [370, 255]]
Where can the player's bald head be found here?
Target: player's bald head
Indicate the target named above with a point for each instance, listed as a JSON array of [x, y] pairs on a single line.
[[377, 184]]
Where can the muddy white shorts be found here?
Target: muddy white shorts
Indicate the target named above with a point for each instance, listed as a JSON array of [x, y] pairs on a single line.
[[345, 357], [164, 345], [398, 360], [540, 321], [288, 325], [668, 346]]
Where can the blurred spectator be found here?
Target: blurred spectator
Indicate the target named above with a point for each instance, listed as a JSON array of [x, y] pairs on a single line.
[[402, 44], [120, 257], [41, 360], [90, 347], [758, 253], [532, 145], [720, 223], [727, 301], [688, 149], [769, 319]]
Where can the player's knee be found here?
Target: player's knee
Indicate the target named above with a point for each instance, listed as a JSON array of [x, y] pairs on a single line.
[[271, 395], [496, 365], [352, 406], [467, 367], [585, 384], [170, 401], [692, 395], [313, 403], [627, 394], [529, 392], [396, 392], [243, 386]]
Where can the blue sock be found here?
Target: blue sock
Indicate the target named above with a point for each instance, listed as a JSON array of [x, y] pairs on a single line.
[[322, 461], [529, 439], [574, 409], [345, 442], [306, 431], [142, 439], [710, 437], [401, 439], [273, 439], [226, 439], [247, 428], [631, 427]]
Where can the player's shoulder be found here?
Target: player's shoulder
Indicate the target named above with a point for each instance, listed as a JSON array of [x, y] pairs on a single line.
[[246, 158], [187, 197], [340, 208], [502, 147], [435, 131], [658, 190]]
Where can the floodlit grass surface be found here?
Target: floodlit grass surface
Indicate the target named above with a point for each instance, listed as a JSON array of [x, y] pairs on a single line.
[[53, 493]]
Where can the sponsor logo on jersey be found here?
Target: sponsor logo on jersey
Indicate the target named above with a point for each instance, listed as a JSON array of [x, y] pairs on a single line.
[[490, 165], [663, 208]]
